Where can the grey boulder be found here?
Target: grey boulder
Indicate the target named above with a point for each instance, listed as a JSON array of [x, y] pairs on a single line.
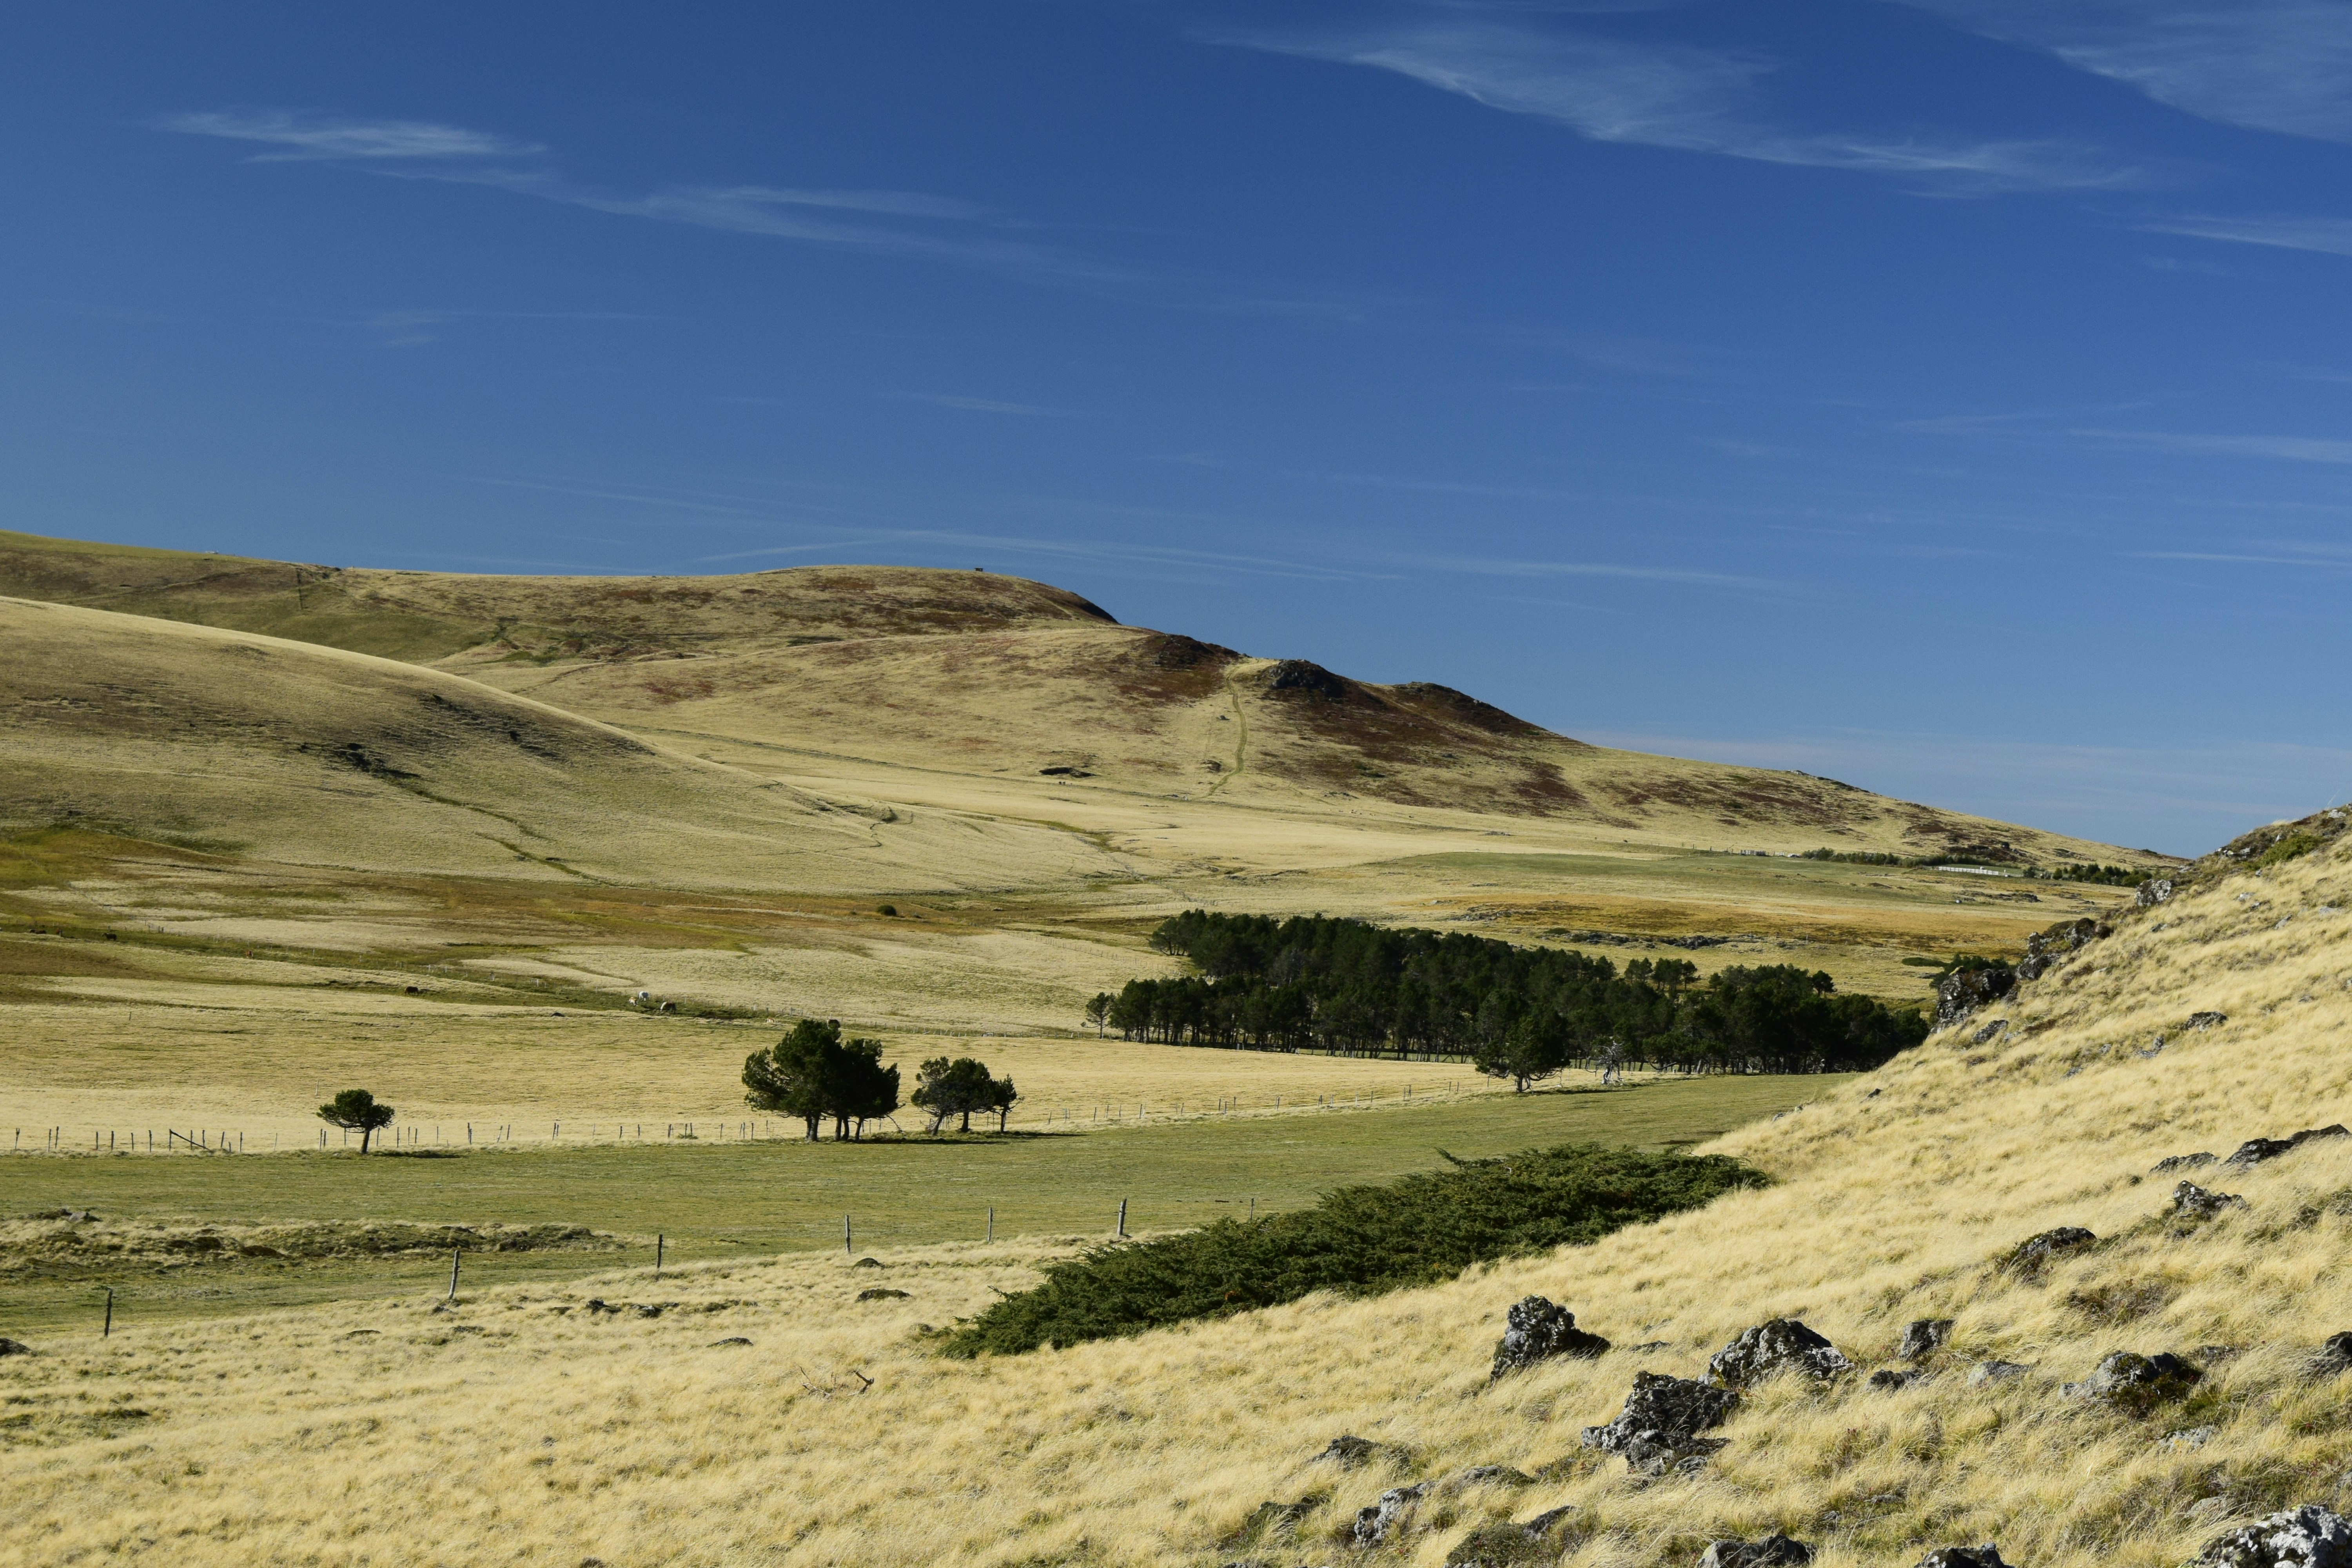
[[2193, 1202], [2137, 1382], [2305, 1537], [2260, 1151], [1772, 1551], [2172, 1162], [1985, 1556], [1782, 1345], [2028, 1258], [1924, 1338], [1659, 1427], [1986, 1372], [1375, 1524], [1535, 1330]]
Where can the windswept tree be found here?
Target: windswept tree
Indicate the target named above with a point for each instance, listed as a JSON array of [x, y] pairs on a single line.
[[813, 1073], [1098, 1011], [357, 1110], [959, 1088]]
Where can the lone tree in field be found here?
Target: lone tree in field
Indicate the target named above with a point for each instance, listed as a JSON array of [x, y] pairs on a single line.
[[960, 1088], [357, 1110], [813, 1073], [1098, 1011]]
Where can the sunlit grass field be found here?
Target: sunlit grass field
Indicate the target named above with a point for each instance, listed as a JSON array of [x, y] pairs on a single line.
[[713, 1200]]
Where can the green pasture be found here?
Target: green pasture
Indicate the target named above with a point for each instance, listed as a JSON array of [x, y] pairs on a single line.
[[724, 1200]]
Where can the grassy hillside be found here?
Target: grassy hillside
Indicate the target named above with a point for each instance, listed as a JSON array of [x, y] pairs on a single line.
[[837, 1433]]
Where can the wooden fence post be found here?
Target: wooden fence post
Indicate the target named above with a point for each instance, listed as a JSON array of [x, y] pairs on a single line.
[[454, 1255], [107, 1331], [1122, 1219], [661, 1244], [846, 1248], [991, 1226]]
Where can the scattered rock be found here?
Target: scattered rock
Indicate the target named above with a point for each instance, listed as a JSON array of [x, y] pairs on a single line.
[[868, 1263], [354, 1334], [1772, 1551], [2045, 948], [1986, 1372], [2190, 1437], [2172, 1162], [1538, 1330], [1889, 1380], [1503, 1543], [1985, 1556], [653, 1309], [2027, 1259], [1658, 1429], [2194, 1202], [2137, 1382], [1374, 1524], [14, 1347], [1649, 1346], [1351, 1453], [1924, 1337], [1782, 1345], [2152, 893], [2209, 1355], [2207, 1020], [2305, 1537], [738, 1339], [1488, 1476], [1988, 1031], [2257, 1151], [596, 1307], [2334, 1358], [884, 1293], [1963, 991]]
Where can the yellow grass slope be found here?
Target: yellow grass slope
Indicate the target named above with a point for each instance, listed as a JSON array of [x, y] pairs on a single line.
[[291, 752], [806, 670], [523, 1427]]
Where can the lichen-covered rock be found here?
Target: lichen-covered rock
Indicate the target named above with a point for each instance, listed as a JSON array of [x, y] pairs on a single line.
[[1985, 1556], [1887, 1379], [1986, 1372], [2260, 1151], [1772, 1551], [1351, 1452], [1782, 1345], [2137, 1382], [1963, 991], [1377, 1524], [1534, 1331], [2028, 1258], [2152, 893], [1923, 1338], [1487, 1476], [1660, 1425], [2305, 1537], [2172, 1162], [2045, 948], [2193, 1202]]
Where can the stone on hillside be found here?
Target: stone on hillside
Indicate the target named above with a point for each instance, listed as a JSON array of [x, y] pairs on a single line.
[[1660, 1425], [2194, 1202], [1782, 1345], [1773, 1551], [1964, 991], [1488, 1476], [868, 1263], [2334, 1358], [2172, 1162], [2153, 893], [1351, 1452], [1924, 1338], [884, 1293], [1503, 1543], [2259, 1151], [1376, 1523], [2045, 948], [2207, 1020], [1986, 1372], [1887, 1379], [2027, 1259], [2305, 1537], [1536, 1330], [2190, 1437], [1985, 1556], [14, 1347], [2137, 1382]]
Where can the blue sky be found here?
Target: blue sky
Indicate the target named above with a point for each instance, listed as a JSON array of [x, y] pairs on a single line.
[[1946, 396]]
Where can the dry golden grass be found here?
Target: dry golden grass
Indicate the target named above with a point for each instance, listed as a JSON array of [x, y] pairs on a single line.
[[550, 1436]]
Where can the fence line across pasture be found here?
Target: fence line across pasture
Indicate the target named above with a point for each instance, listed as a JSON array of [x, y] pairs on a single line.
[[291, 1135]]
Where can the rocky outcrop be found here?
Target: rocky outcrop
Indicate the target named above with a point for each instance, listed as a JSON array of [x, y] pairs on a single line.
[[1770, 1349], [1351, 1453], [1375, 1524], [1963, 991], [1887, 1379], [2138, 1383], [2152, 892], [2044, 949], [2305, 1537], [1535, 1331], [2030, 1256], [2261, 1151], [1985, 1556], [2332, 1360], [1506, 1543], [2192, 1202], [1986, 1372], [1924, 1337], [1659, 1427], [1772, 1551], [2172, 1162]]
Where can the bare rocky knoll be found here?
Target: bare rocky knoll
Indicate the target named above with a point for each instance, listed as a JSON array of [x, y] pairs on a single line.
[[985, 675]]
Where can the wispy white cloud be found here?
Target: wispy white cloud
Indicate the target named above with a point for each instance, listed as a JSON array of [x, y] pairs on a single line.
[[416, 328], [985, 404], [2285, 448], [1692, 100], [2328, 236], [1487, 566], [2271, 64], [295, 137]]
